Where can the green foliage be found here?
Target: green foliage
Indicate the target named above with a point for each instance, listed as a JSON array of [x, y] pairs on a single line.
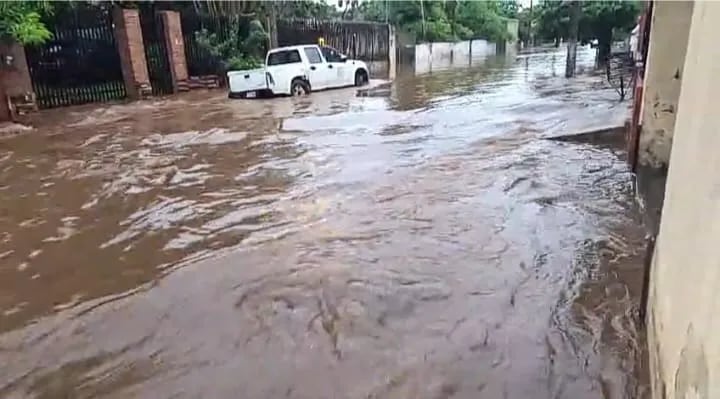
[[234, 51], [463, 32], [509, 8], [483, 18], [307, 8], [552, 19], [524, 25], [21, 21], [239, 63], [599, 20], [445, 20]]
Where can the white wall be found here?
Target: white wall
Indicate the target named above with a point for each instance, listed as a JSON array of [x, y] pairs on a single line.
[[443, 55], [684, 302]]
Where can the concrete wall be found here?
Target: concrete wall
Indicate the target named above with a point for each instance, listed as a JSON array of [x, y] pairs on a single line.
[[684, 302], [666, 55], [443, 55]]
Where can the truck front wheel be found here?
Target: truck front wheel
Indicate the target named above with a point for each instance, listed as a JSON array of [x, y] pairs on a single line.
[[299, 88]]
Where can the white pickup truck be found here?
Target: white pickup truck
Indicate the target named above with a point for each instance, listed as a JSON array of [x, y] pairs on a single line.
[[296, 71]]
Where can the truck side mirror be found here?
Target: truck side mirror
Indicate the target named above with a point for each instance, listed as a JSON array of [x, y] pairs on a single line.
[[343, 58]]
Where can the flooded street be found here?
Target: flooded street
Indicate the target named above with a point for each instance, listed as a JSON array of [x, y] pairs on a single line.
[[420, 240]]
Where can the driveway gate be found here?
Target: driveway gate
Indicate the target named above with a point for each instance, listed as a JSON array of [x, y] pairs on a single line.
[[156, 52], [80, 64]]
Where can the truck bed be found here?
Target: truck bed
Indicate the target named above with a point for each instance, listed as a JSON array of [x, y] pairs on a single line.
[[248, 81]]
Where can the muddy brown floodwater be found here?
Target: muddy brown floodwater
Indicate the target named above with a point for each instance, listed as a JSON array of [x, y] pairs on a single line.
[[418, 240]]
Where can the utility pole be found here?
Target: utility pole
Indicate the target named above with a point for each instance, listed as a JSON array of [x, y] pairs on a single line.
[[575, 11]]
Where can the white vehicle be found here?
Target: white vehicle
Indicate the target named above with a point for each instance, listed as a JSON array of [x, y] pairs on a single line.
[[296, 71]]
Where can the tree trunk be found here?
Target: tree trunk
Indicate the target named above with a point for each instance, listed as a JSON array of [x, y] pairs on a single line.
[[530, 25], [604, 43], [422, 14], [272, 26], [572, 40]]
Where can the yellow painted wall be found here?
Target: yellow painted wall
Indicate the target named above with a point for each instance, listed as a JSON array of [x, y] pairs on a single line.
[[684, 303]]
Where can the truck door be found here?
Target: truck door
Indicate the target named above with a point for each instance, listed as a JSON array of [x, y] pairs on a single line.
[[317, 69], [337, 67]]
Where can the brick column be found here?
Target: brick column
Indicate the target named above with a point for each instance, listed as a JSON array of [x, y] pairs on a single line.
[[15, 78], [4, 108], [129, 39], [175, 44]]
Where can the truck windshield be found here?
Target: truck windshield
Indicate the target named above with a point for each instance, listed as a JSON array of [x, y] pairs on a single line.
[[283, 57]]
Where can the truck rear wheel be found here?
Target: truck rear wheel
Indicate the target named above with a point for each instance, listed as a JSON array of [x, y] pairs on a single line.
[[299, 88], [361, 77]]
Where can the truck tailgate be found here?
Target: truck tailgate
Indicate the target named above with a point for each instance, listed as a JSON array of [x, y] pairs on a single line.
[[244, 81]]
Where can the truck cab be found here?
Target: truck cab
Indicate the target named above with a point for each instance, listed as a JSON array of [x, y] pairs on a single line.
[[298, 70]]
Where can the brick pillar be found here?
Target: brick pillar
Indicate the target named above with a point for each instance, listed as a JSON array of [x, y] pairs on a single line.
[[4, 108], [129, 39], [175, 44], [15, 79]]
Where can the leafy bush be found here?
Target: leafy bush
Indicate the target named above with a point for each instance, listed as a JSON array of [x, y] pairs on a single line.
[[20, 21], [240, 63], [446, 20], [463, 32], [234, 50]]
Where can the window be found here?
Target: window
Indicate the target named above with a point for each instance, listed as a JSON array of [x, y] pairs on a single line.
[[313, 55], [283, 57], [331, 55]]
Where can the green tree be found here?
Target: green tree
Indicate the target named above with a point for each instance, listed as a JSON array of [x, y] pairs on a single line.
[[601, 20], [21, 21], [509, 8], [484, 20], [443, 20], [552, 19], [524, 25]]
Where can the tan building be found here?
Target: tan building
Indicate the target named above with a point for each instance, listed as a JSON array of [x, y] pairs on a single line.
[[684, 300]]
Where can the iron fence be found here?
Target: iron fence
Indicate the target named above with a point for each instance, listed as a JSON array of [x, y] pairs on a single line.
[[620, 72], [80, 64], [156, 54], [200, 59]]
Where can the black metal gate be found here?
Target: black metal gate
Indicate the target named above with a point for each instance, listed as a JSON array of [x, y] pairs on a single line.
[[156, 52], [200, 61], [80, 64]]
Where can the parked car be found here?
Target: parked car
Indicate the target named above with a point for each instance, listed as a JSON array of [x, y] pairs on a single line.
[[296, 71]]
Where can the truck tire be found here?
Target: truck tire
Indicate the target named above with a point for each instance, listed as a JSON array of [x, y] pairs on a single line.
[[361, 77], [299, 87]]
